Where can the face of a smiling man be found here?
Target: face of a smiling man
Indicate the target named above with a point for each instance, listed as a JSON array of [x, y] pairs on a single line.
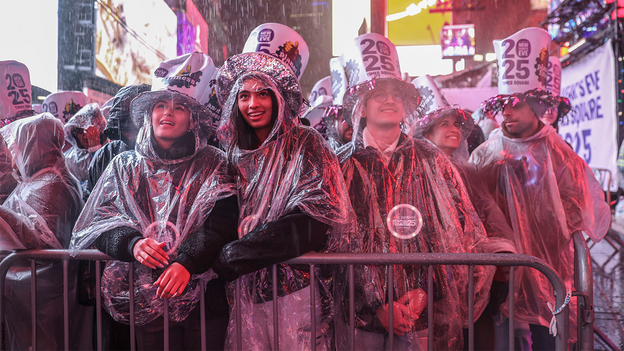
[[384, 106]]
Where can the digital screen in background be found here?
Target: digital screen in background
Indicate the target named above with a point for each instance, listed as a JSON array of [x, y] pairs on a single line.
[[457, 40], [133, 37]]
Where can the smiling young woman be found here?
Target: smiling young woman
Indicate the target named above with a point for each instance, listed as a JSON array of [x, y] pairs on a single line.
[[446, 133], [256, 108]]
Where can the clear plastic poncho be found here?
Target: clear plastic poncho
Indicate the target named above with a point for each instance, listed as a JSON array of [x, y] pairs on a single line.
[[546, 192], [499, 233], [46, 191], [7, 180], [416, 173], [40, 214], [78, 157], [293, 168], [166, 200]]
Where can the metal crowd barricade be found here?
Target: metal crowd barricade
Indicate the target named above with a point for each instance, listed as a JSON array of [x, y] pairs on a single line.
[[313, 259], [583, 285]]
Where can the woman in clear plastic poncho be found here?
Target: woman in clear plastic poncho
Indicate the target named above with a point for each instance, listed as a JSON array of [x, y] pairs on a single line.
[[547, 192], [291, 200], [448, 128], [40, 214], [166, 206], [85, 132], [379, 176]]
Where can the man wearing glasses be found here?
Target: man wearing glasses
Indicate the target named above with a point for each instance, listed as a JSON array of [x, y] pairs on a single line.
[[396, 182]]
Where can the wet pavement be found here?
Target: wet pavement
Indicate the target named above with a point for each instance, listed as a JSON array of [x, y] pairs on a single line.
[[608, 271]]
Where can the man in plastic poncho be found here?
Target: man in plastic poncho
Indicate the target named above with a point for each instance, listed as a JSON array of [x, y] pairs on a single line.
[[388, 168], [119, 129], [168, 206], [546, 191], [292, 200], [85, 132], [40, 214]]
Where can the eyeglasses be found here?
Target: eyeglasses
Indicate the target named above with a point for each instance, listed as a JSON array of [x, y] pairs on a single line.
[[382, 96]]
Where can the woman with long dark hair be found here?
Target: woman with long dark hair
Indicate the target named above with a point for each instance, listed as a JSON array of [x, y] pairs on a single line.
[[168, 206], [292, 200]]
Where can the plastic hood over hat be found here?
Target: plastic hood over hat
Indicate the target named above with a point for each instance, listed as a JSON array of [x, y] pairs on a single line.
[[547, 192], [166, 200], [426, 124], [77, 158], [47, 199], [416, 173], [293, 168], [499, 233]]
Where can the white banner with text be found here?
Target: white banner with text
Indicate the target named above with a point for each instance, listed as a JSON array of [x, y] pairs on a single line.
[[591, 126]]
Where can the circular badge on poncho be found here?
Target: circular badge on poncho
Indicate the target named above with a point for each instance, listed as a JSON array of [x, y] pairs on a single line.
[[404, 221], [167, 232]]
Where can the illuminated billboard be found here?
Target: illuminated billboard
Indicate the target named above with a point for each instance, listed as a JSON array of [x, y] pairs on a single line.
[[411, 23], [132, 38], [458, 40], [200, 26]]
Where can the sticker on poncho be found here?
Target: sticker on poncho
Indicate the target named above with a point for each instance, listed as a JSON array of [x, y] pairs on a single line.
[[404, 221], [247, 225], [164, 232]]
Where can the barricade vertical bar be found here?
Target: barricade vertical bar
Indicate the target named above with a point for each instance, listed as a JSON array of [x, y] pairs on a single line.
[[202, 315], [351, 308], [166, 324], [312, 308], [430, 307], [33, 302], [131, 293], [583, 281], [98, 304], [512, 314], [66, 303], [470, 308], [563, 320], [239, 328], [390, 285], [275, 308]]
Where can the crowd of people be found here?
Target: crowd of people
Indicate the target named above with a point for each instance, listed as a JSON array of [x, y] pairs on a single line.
[[210, 176]]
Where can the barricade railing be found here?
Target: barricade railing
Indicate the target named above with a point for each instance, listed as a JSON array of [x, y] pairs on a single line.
[[584, 290], [311, 259]]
